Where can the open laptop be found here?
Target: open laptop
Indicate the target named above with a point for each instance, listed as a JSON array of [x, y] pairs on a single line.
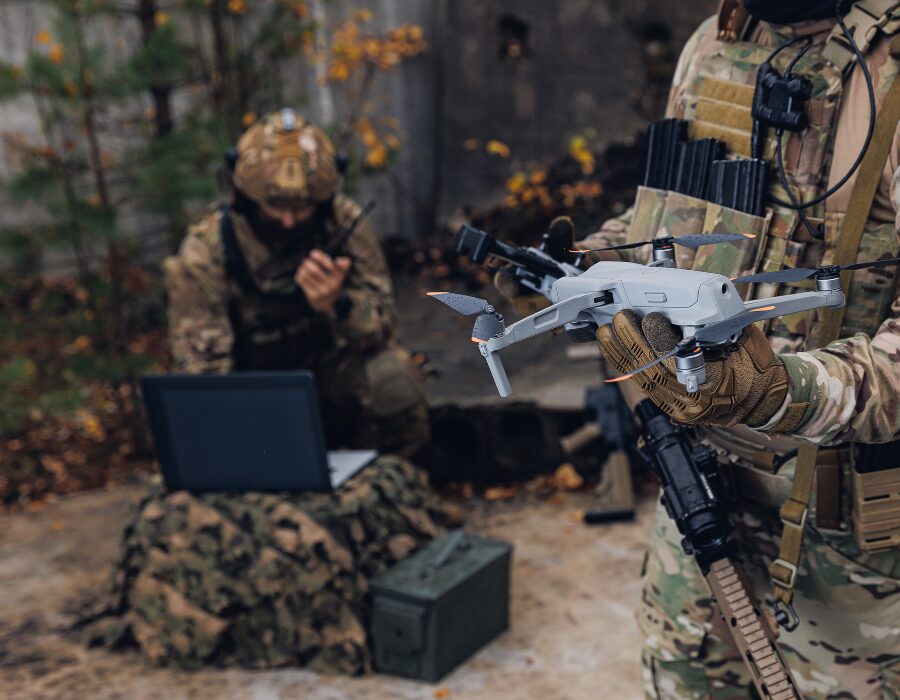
[[258, 431]]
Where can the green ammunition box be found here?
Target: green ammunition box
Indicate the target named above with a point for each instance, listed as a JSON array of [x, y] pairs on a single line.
[[435, 609]]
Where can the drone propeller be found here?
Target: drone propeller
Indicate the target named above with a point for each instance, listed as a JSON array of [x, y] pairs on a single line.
[[691, 240], [688, 346], [798, 274], [487, 325], [713, 333], [463, 304]]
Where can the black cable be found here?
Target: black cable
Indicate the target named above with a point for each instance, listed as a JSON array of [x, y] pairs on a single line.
[[789, 71], [870, 88]]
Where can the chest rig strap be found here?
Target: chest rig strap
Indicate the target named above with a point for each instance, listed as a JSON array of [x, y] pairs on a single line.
[[795, 510], [865, 20]]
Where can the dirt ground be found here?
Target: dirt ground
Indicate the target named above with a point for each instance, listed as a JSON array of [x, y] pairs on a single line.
[[574, 590]]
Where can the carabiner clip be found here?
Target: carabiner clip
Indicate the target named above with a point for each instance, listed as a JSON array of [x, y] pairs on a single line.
[[786, 616]]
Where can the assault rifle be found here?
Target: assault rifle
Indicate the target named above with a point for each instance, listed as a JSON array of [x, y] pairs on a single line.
[[691, 494]]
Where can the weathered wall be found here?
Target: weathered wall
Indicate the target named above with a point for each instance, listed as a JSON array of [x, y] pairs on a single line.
[[585, 65]]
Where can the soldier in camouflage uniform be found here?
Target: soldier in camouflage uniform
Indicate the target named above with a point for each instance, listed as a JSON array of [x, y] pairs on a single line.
[[290, 276], [848, 642]]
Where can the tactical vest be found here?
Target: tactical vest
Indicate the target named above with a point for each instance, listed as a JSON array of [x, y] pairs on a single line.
[[274, 329], [717, 103]]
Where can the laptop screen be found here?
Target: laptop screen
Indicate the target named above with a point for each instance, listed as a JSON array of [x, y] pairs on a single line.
[[259, 431]]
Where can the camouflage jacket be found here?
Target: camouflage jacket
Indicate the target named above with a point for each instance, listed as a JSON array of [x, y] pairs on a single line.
[[852, 384], [206, 303]]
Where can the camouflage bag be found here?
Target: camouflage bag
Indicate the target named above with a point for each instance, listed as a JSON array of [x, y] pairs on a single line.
[[263, 580]]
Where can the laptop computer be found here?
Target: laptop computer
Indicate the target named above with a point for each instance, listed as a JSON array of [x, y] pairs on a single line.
[[257, 431]]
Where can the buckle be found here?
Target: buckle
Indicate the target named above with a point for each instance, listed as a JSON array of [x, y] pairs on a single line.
[[788, 517], [792, 568]]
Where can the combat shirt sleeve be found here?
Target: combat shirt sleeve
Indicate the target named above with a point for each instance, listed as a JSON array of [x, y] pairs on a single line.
[[365, 315], [613, 232], [200, 333], [853, 385]]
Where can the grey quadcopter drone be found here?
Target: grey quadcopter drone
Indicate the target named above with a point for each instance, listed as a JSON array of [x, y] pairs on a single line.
[[705, 306]]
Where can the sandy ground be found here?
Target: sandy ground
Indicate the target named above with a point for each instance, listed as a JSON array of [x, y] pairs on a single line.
[[574, 588], [573, 635]]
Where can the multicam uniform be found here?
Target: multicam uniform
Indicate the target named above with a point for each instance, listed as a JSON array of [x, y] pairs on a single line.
[[254, 317], [848, 641]]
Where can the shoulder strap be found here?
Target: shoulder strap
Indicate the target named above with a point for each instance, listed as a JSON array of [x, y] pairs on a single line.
[[794, 511], [236, 265], [865, 20]]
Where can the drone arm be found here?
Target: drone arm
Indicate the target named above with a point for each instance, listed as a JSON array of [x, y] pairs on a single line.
[[548, 319], [498, 372], [794, 303]]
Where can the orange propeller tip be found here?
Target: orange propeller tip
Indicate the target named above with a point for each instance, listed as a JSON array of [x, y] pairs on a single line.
[[749, 235], [764, 308], [434, 294], [477, 340], [577, 250], [619, 379]]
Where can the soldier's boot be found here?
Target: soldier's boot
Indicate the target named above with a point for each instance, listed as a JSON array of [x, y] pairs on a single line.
[[395, 409]]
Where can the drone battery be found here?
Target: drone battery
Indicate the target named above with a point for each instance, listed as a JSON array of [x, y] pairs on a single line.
[[435, 609]]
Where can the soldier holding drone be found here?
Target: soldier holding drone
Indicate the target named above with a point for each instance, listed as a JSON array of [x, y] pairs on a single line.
[[796, 407]]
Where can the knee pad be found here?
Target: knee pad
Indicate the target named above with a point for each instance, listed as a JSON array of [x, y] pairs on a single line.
[[394, 384]]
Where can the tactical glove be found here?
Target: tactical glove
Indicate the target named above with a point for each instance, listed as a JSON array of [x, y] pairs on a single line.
[[746, 382]]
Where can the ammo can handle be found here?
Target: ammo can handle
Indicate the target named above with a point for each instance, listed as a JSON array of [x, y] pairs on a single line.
[[443, 556]]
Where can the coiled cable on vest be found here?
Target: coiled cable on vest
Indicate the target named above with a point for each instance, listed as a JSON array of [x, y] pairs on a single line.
[[870, 89]]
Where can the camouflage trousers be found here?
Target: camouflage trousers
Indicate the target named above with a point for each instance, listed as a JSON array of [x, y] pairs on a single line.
[[373, 401], [847, 645]]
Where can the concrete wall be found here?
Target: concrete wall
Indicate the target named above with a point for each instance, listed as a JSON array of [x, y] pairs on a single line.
[[584, 66]]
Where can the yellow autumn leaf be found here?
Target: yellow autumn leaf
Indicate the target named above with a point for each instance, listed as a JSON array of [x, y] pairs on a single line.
[[516, 183], [56, 54], [82, 343], [377, 157], [567, 478], [497, 148], [363, 15], [441, 693], [161, 19], [237, 7], [472, 144], [248, 119], [42, 37], [93, 427]]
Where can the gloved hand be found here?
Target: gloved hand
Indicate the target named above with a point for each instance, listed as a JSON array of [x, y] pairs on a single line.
[[746, 382]]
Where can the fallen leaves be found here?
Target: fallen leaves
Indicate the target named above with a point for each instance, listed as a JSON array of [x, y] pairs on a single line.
[[497, 148]]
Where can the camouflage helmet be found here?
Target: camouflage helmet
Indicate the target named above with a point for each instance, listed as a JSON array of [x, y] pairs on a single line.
[[285, 160]]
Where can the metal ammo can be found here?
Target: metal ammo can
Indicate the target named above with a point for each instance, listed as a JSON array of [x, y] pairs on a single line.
[[438, 607]]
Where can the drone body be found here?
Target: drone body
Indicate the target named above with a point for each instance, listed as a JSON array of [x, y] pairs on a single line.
[[705, 306]]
